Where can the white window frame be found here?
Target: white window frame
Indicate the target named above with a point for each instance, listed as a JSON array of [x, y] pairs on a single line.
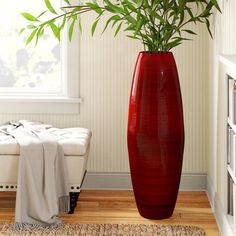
[[68, 102]]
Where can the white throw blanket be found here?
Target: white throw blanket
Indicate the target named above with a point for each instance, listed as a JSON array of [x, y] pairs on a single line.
[[42, 187]]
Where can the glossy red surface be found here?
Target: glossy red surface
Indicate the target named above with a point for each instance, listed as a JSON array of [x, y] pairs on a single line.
[[155, 134]]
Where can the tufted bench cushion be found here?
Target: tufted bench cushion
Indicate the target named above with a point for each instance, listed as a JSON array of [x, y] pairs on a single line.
[[74, 141]]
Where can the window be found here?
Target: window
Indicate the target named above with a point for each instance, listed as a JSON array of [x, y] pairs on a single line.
[[35, 79]]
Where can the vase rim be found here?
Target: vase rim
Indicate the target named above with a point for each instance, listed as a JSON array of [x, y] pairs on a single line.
[[155, 52]]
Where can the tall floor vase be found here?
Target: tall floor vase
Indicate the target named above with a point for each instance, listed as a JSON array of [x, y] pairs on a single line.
[[155, 134]]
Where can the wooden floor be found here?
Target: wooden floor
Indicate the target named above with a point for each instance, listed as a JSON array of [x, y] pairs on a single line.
[[119, 207]]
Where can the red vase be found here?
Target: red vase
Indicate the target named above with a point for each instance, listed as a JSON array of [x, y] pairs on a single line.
[[155, 134]]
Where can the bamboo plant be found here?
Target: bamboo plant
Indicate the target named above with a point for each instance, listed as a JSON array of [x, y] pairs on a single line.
[[160, 25]]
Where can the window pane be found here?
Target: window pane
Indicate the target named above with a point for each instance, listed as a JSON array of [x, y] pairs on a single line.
[[27, 68]]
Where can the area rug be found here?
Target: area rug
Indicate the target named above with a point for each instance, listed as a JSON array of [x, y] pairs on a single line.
[[107, 230]]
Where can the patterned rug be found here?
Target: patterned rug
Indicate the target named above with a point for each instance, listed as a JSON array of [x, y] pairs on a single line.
[[106, 230]]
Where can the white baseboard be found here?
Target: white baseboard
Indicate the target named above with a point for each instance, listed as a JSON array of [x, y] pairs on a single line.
[[118, 180], [223, 221], [107, 180]]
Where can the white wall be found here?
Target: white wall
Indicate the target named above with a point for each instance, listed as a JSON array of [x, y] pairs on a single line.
[[224, 43], [106, 67]]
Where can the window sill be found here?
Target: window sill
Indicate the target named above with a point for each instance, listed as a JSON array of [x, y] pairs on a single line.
[[57, 105]]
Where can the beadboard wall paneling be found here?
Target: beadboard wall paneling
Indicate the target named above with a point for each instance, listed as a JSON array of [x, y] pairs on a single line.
[[192, 65], [106, 68]]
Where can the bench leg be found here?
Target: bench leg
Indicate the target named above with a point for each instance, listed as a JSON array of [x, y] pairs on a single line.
[[74, 197], [73, 201]]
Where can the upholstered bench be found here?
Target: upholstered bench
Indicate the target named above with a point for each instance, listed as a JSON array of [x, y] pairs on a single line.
[[75, 143]]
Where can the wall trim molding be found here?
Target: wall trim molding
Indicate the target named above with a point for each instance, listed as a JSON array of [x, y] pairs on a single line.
[[211, 192], [221, 218], [218, 210], [122, 180]]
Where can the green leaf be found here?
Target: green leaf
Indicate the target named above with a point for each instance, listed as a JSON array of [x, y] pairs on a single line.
[[75, 11], [130, 19], [181, 19], [113, 18], [55, 30], [95, 7], [114, 22], [132, 37], [94, 26], [174, 43], [191, 14], [31, 27], [71, 29], [138, 26], [39, 34], [118, 29], [80, 26], [215, 3], [131, 5], [31, 36], [67, 1], [182, 4], [189, 31], [29, 17], [42, 13], [208, 27], [178, 31], [131, 27], [206, 13], [156, 15], [21, 30], [113, 8], [49, 6], [63, 23]]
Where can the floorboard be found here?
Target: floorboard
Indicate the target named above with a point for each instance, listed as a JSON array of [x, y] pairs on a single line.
[[113, 206]]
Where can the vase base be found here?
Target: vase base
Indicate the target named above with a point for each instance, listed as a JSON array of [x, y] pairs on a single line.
[[155, 212]]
